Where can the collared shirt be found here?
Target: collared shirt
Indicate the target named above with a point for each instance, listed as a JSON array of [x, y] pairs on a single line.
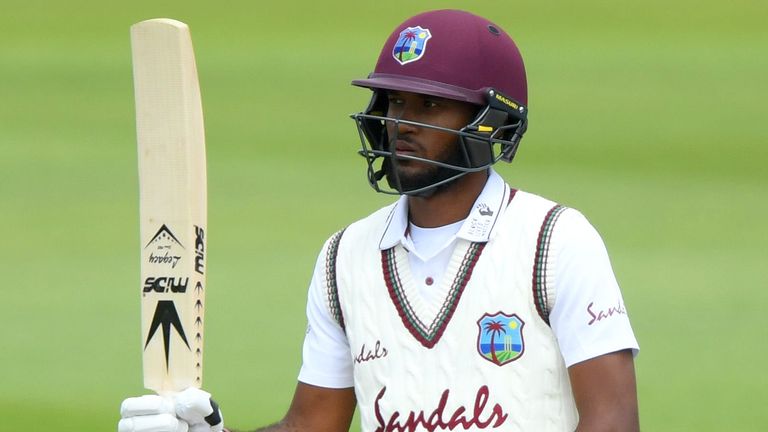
[[477, 227], [585, 286], [430, 249]]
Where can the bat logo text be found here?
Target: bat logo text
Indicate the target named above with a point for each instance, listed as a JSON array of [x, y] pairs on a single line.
[[172, 260], [166, 284], [199, 250]]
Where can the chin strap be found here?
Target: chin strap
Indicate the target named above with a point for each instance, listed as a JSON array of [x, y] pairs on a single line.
[[508, 153], [378, 175]]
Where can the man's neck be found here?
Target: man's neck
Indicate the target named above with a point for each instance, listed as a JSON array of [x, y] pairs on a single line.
[[449, 204]]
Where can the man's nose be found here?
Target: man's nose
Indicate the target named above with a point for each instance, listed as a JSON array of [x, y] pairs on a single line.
[[404, 117], [405, 127]]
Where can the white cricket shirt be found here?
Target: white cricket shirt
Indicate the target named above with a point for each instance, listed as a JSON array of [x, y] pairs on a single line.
[[587, 312]]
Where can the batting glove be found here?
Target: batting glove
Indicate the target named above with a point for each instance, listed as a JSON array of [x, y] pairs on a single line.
[[192, 410]]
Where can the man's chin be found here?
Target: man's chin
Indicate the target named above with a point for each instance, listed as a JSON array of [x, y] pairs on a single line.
[[409, 180], [412, 180]]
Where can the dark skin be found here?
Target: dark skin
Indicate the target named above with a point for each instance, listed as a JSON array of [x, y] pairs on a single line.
[[452, 202], [317, 409], [605, 392], [604, 387]]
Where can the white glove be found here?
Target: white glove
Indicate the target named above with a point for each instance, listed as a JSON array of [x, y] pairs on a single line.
[[192, 410]]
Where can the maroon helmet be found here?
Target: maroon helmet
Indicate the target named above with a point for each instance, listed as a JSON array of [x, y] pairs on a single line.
[[455, 55]]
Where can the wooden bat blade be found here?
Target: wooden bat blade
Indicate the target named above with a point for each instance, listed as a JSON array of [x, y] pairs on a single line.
[[172, 195]]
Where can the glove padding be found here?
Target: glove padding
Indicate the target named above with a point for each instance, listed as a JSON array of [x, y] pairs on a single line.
[[192, 410]]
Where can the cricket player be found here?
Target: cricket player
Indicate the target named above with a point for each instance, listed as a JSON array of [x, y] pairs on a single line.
[[466, 304]]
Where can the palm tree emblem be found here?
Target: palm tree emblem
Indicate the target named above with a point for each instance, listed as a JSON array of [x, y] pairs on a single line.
[[500, 337], [495, 329], [408, 37], [411, 44]]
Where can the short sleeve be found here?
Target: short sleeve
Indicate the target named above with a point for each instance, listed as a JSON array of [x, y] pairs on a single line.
[[589, 317], [326, 356]]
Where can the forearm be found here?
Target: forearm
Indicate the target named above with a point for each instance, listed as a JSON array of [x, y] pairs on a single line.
[[620, 422], [316, 409], [277, 427]]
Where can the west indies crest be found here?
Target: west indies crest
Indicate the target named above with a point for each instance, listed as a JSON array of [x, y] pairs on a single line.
[[411, 44], [500, 337]]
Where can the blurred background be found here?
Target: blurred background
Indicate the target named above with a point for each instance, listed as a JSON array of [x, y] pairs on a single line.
[[646, 116]]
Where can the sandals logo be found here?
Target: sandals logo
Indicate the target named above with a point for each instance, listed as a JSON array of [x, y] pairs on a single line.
[[479, 415]]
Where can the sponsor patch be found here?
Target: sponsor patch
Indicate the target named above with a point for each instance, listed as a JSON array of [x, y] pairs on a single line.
[[411, 44], [500, 337]]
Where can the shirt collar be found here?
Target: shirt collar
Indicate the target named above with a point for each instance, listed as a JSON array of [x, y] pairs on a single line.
[[477, 227]]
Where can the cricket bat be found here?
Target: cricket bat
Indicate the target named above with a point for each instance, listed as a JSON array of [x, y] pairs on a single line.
[[172, 195]]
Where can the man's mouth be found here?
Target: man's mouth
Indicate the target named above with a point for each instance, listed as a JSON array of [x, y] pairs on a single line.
[[405, 148]]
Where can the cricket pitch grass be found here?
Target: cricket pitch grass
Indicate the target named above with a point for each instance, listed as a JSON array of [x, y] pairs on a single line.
[[646, 117]]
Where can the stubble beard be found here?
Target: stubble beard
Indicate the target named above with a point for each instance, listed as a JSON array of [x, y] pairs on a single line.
[[413, 179]]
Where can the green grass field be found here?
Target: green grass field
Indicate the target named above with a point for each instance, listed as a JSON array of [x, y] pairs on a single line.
[[648, 117]]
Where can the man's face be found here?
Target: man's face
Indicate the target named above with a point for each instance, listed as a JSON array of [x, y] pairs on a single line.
[[426, 143]]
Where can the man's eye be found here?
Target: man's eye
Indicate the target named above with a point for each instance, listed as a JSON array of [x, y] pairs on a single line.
[[430, 103], [395, 101]]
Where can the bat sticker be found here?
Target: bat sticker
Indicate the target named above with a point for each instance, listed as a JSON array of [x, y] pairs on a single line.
[[166, 315]]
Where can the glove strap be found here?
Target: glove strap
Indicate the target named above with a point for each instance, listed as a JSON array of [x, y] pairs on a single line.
[[215, 417]]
